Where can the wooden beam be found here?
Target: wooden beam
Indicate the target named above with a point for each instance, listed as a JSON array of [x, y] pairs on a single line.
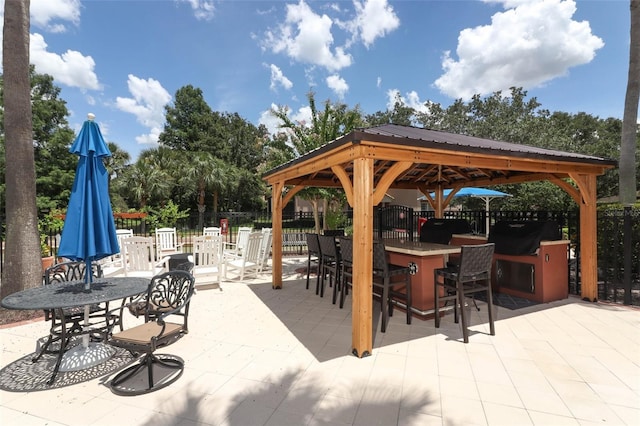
[[362, 304], [588, 236], [387, 179], [342, 154], [276, 230], [477, 160], [568, 188], [290, 193], [344, 179]]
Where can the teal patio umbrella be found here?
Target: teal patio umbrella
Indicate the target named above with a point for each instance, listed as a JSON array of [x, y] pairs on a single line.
[[89, 232]]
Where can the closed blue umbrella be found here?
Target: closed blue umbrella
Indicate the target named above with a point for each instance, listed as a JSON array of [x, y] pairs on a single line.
[[89, 231]]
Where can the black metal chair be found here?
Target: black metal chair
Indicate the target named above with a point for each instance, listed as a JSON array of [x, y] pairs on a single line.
[[314, 255], [385, 278], [138, 305], [330, 265], [69, 321], [470, 276], [169, 295]]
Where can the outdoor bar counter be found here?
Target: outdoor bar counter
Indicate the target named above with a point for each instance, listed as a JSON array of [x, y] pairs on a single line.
[[540, 277], [424, 258]]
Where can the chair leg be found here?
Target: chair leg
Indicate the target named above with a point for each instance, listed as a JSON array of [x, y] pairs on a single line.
[[308, 270], [465, 331], [492, 329], [436, 298], [338, 284], [408, 293], [384, 301]]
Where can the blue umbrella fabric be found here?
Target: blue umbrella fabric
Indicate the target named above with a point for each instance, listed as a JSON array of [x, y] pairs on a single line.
[[475, 192], [89, 231]]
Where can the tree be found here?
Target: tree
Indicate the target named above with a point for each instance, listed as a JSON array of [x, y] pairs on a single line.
[[147, 182], [628, 159], [205, 172], [23, 268], [400, 114], [190, 123], [335, 121], [52, 137]]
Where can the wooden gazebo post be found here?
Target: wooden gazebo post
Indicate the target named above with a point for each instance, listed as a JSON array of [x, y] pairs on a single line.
[[276, 231], [588, 236], [362, 304]]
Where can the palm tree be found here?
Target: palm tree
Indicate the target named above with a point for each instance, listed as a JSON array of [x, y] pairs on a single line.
[[117, 162], [200, 168], [147, 179], [23, 268], [325, 126], [630, 118]]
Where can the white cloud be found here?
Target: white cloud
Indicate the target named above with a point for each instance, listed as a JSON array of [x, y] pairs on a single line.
[[306, 37], [411, 99], [302, 117], [72, 68], [270, 121], [375, 18], [379, 82], [278, 78], [47, 14], [202, 9], [147, 104], [530, 43], [338, 85]]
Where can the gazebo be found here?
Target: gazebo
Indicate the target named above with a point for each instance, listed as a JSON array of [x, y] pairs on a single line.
[[365, 163]]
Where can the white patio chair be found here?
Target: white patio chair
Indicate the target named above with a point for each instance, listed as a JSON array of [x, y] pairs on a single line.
[[265, 249], [211, 230], [249, 262], [140, 259], [167, 242], [113, 265], [120, 235], [207, 259], [235, 250]]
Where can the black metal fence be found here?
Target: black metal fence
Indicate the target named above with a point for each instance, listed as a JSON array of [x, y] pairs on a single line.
[[618, 269]]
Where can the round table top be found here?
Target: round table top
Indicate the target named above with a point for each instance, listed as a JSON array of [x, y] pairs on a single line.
[[73, 293]]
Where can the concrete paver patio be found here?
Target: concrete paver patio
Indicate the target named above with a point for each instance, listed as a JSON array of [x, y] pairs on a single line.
[[257, 356]]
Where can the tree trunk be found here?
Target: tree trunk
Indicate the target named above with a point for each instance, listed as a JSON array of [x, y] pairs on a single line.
[[215, 205], [630, 119], [23, 267], [316, 216], [201, 206]]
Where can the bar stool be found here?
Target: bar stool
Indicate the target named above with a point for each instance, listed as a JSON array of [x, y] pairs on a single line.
[[313, 255], [470, 276], [330, 264], [384, 275]]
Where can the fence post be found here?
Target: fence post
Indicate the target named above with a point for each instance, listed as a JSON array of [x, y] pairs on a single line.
[[627, 255]]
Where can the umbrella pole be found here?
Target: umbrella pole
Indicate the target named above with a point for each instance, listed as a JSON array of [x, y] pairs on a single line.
[[88, 275]]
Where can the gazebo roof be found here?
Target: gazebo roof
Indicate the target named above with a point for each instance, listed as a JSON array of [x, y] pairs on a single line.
[[439, 158]]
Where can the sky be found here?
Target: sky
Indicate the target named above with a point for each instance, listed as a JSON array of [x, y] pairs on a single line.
[[124, 60]]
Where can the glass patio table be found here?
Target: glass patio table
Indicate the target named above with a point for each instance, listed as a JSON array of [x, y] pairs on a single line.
[[70, 294]]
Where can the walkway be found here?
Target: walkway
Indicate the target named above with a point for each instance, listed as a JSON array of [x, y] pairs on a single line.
[[255, 356]]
